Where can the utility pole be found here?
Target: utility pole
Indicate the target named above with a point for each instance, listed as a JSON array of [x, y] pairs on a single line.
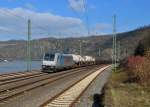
[[99, 52], [87, 16], [119, 51], [29, 47], [80, 48], [114, 57]]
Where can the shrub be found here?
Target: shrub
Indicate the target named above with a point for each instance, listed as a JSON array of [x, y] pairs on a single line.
[[139, 69], [147, 54]]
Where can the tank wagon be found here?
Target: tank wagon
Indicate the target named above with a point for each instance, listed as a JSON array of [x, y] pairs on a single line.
[[59, 61], [89, 60]]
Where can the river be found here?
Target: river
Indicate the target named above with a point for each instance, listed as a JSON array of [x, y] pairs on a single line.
[[15, 66]]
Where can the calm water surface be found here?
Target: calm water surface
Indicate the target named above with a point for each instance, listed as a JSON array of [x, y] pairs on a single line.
[[14, 66]]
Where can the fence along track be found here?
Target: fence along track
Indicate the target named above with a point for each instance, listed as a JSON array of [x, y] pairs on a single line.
[[69, 96]]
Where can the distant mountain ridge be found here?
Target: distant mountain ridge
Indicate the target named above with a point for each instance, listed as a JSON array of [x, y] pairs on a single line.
[[16, 49]]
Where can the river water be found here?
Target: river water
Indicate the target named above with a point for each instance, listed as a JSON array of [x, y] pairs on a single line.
[[15, 66]]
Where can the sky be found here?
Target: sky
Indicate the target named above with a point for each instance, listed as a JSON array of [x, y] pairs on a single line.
[[70, 18]]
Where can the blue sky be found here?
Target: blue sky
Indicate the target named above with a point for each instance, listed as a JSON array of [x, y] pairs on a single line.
[[56, 18]]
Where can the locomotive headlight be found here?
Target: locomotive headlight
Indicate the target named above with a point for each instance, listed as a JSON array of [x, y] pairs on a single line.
[[43, 66]]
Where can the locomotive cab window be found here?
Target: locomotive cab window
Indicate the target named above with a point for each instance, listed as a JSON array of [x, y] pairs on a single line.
[[49, 57]]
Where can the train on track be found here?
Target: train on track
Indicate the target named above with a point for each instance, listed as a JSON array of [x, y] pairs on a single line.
[[59, 61]]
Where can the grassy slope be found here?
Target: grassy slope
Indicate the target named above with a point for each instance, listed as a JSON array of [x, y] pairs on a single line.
[[121, 94]]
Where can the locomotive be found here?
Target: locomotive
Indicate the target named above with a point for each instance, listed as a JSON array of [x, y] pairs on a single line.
[[59, 61]]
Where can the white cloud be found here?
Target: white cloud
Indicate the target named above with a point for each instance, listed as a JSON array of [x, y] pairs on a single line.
[[42, 23], [80, 5], [13, 25], [77, 5]]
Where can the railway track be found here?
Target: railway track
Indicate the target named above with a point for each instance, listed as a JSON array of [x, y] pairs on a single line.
[[69, 96], [11, 76], [17, 83], [21, 78], [7, 74], [17, 88], [14, 73]]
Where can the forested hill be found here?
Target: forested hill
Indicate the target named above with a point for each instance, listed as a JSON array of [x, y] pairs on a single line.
[[16, 49]]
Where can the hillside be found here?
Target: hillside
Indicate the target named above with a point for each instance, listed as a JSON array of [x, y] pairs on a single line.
[[16, 49]]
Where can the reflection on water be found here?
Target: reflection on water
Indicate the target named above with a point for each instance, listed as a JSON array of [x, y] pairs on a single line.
[[14, 66]]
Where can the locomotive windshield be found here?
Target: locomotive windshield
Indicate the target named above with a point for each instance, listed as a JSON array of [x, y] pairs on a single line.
[[49, 57]]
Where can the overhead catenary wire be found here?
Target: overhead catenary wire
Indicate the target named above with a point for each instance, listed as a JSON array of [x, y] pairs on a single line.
[[43, 28], [10, 31], [25, 19], [86, 15], [85, 9], [73, 10], [86, 21], [33, 24]]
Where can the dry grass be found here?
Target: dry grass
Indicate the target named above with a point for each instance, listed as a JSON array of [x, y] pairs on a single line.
[[130, 87], [121, 94]]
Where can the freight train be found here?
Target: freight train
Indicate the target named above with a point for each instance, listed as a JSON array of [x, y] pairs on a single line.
[[59, 61]]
